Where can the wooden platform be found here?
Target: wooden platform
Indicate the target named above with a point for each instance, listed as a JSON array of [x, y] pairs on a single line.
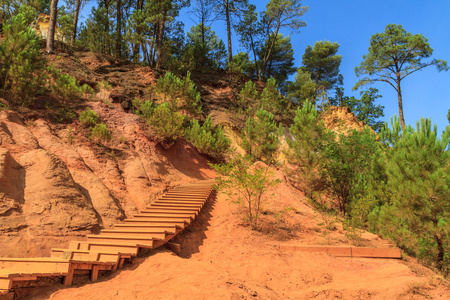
[[107, 251], [346, 251]]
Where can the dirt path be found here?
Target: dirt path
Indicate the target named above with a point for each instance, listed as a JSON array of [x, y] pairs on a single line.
[[224, 260]]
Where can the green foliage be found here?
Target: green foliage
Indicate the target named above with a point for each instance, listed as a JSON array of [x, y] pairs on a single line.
[[206, 47], [64, 115], [322, 62], [261, 136], [345, 163], [303, 88], [448, 116], [393, 55], [308, 137], [68, 87], [101, 132], [95, 34], [88, 118], [418, 175], [272, 101], [207, 139], [246, 185], [22, 65], [65, 23], [280, 61], [248, 97], [180, 92], [144, 110], [167, 123]]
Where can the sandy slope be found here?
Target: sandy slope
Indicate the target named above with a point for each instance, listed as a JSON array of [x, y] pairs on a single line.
[[224, 260]]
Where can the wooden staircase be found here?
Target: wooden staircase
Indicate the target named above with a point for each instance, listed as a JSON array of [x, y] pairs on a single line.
[[107, 251]]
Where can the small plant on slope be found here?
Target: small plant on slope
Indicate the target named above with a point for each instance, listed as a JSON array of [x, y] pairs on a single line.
[[206, 139], [246, 185], [88, 118], [168, 124]]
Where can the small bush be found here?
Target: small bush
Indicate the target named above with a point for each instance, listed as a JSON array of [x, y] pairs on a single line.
[[206, 139], [167, 123], [144, 110], [245, 185], [179, 92], [260, 137], [248, 97], [88, 118], [101, 132], [68, 87], [64, 115]]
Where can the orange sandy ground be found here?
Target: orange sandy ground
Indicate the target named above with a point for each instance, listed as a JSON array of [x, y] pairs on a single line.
[[221, 259]]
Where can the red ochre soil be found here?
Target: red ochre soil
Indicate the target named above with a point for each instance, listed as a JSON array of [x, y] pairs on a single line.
[[223, 259]]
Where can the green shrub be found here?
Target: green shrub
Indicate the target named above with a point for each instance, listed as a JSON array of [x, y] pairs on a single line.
[[308, 136], [144, 110], [88, 118], [248, 97], [167, 123], [179, 92], [261, 136], [206, 139], [272, 101], [68, 87], [64, 115], [101, 132], [23, 68], [246, 185]]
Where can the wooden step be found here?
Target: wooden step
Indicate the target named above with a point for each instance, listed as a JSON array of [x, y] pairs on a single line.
[[205, 193], [174, 205], [38, 265], [166, 215], [180, 223], [137, 233], [168, 228], [86, 255], [121, 248], [179, 202], [144, 242], [183, 198], [170, 210], [161, 218]]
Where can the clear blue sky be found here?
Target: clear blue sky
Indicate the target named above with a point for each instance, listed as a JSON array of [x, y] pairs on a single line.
[[351, 23]]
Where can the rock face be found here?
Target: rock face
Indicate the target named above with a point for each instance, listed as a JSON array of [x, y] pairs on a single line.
[[342, 120], [54, 189]]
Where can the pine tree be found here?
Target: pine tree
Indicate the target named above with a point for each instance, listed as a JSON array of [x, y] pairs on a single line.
[[261, 136]]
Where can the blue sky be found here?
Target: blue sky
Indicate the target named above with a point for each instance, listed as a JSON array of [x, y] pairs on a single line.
[[351, 23]]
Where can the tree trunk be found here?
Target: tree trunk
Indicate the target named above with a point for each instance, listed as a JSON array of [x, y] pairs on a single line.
[[52, 27], [119, 29], [75, 21], [139, 5], [400, 103], [227, 15], [159, 41]]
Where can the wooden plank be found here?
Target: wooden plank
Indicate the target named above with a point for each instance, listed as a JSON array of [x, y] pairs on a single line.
[[94, 273], [173, 247], [5, 283], [69, 277], [376, 252]]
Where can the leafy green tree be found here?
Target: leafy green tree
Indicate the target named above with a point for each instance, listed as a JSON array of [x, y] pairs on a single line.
[[261, 136], [393, 55], [246, 185], [308, 136], [23, 69], [250, 35], [209, 50], [448, 116], [345, 161], [279, 14], [248, 97], [280, 63], [364, 108], [417, 214], [302, 88], [271, 100], [322, 62]]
